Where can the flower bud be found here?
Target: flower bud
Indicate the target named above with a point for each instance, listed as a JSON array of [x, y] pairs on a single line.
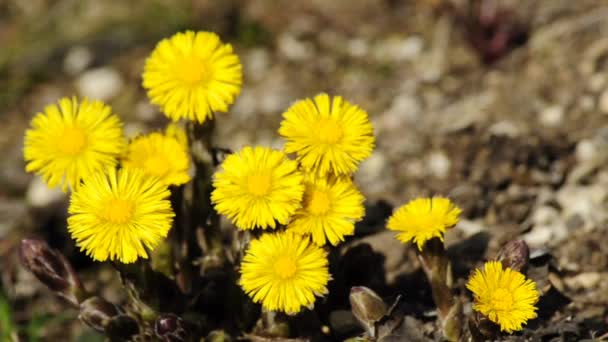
[[108, 319], [97, 312], [170, 328], [51, 268], [367, 307], [515, 255]]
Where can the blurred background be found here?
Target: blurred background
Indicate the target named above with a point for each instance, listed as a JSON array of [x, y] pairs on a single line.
[[501, 105]]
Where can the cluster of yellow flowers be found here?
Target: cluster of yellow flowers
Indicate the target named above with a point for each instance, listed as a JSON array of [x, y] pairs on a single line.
[[312, 198], [505, 296], [119, 207]]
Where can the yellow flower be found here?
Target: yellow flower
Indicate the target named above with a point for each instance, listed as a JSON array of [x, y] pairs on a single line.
[[505, 296], [70, 141], [329, 136], [284, 272], [178, 132], [159, 155], [329, 211], [257, 186], [423, 219], [116, 215], [191, 75]]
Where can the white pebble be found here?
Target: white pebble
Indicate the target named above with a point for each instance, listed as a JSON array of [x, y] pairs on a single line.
[[77, 59], [100, 84], [586, 150], [552, 116], [438, 164], [39, 195], [603, 102]]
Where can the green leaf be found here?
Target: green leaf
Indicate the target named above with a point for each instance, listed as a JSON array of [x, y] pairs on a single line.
[[7, 326]]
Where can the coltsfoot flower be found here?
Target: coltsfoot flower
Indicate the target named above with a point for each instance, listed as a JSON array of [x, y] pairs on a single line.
[[505, 296], [71, 140], [191, 75], [330, 208], [284, 272], [256, 187], [117, 214], [329, 136], [160, 155], [423, 219]]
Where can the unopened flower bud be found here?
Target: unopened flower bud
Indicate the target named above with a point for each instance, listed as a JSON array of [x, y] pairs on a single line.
[[51, 268], [367, 307], [97, 312], [170, 328], [515, 254]]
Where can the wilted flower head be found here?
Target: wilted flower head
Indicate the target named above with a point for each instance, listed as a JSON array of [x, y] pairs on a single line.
[[117, 214], [505, 296], [256, 187], [191, 75], [423, 219], [70, 141], [284, 272], [330, 208], [329, 136]]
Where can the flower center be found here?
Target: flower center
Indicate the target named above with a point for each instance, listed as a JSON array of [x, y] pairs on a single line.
[[319, 203], [192, 70], [502, 300], [259, 185], [118, 211], [157, 166], [72, 140], [330, 132], [285, 267]]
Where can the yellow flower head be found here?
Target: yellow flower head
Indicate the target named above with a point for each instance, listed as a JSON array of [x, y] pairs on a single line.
[[71, 140], [423, 219], [257, 186], [505, 296], [174, 130], [117, 214], [284, 272], [191, 75], [160, 155], [329, 136], [330, 208]]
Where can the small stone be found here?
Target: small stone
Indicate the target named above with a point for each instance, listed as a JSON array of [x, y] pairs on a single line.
[[597, 82], [539, 236], [552, 116], [357, 47], [12, 213], [586, 150], [145, 111], [545, 215], [100, 84], [294, 49], [585, 280], [256, 64], [603, 102], [372, 168], [438, 164], [77, 60], [39, 195], [505, 128], [586, 103], [469, 228]]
